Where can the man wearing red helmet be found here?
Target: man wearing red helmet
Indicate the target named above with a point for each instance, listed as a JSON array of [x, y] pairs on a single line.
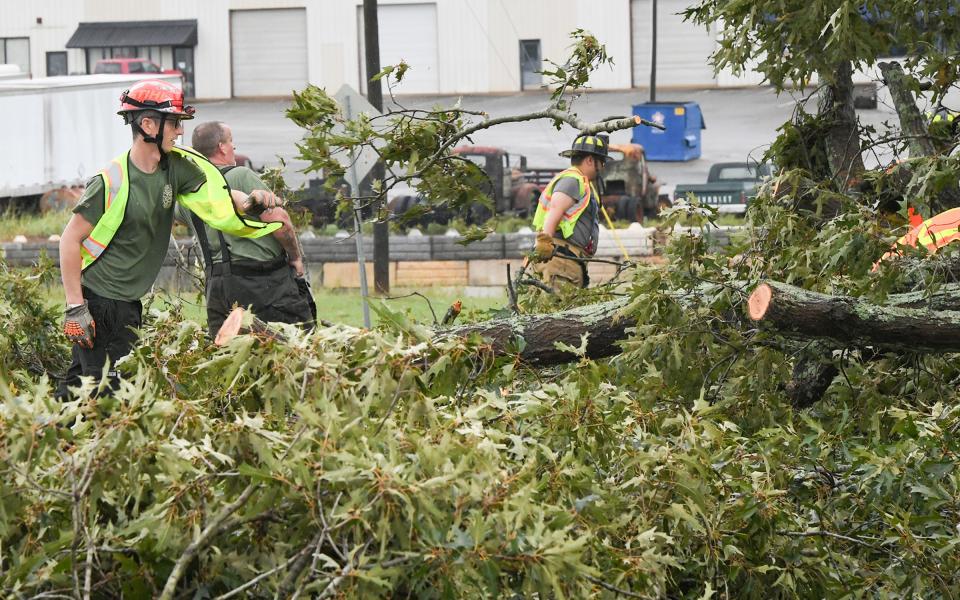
[[568, 215], [113, 247]]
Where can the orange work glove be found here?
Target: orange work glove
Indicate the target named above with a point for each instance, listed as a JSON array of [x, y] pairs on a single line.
[[543, 248], [79, 326]]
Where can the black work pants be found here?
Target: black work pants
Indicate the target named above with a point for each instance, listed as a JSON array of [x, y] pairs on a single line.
[[117, 322], [273, 294]]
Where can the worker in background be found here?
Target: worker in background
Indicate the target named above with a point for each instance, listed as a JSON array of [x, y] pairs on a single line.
[[113, 247], [265, 274], [568, 215], [943, 128], [933, 234]]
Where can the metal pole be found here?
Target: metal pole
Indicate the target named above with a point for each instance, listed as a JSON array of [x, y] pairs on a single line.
[[364, 293], [653, 56], [358, 231], [381, 230]]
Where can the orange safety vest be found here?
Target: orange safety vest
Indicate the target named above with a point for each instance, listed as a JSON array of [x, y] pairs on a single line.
[[933, 234]]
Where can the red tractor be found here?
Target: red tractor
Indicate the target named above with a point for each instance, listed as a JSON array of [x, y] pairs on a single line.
[[630, 192], [509, 185]]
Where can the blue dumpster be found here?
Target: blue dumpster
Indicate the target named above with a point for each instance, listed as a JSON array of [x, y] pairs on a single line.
[[680, 141]]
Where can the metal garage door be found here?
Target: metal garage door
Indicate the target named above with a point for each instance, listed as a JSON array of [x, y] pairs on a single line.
[[683, 49], [408, 32], [268, 51]]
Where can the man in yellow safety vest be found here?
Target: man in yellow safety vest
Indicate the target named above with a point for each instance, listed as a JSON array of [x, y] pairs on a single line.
[[568, 215], [113, 247]]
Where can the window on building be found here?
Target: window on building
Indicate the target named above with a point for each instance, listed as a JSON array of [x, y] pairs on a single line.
[[183, 62], [530, 67], [56, 64], [15, 51]]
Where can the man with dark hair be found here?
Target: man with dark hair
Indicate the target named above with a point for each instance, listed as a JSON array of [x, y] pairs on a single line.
[[568, 215], [113, 246], [267, 273]]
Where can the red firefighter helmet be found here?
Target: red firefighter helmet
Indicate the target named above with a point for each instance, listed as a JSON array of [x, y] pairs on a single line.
[[156, 95]]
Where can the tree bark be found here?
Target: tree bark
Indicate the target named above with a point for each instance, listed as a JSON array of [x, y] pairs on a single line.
[[603, 323], [813, 372], [815, 368], [852, 322], [843, 140], [911, 121]]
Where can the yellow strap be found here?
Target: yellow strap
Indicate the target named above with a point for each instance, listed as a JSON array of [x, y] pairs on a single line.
[[616, 237]]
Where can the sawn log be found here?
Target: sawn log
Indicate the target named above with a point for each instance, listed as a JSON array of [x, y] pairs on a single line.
[[853, 322]]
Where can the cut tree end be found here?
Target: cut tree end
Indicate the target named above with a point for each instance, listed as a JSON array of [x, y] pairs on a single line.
[[230, 328], [759, 301]]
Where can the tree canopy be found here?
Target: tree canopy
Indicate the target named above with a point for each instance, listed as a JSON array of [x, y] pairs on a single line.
[[791, 40]]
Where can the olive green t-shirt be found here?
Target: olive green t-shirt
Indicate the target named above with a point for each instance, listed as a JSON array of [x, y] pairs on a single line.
[[264, 249], [129, 266]]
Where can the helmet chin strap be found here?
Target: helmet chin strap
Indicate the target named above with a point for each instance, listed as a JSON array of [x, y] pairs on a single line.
[[155, 139]]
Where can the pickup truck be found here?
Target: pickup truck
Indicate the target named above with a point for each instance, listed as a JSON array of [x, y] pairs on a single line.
[[729, 186]]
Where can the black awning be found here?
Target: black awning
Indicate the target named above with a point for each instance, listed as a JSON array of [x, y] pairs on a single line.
[[134, 33]]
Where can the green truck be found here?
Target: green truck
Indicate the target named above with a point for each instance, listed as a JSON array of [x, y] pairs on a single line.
[[729, 186]]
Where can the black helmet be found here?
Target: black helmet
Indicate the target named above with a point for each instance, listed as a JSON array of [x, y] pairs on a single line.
[[597, 145]]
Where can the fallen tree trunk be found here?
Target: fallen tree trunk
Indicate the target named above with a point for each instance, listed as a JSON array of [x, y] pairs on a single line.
[[604, 324], [815, 368], [852, 322]]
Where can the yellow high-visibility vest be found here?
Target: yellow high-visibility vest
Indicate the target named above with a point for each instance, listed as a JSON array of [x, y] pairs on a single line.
[[570, 217], [212, 202]]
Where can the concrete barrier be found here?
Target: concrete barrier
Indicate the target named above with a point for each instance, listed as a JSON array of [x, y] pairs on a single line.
[[416, 261]]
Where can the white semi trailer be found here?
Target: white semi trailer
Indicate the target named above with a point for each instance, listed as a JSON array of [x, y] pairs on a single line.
[[60, 131]]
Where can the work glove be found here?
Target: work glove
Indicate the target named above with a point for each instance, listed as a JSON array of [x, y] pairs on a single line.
[[79, 326], [543, 248]]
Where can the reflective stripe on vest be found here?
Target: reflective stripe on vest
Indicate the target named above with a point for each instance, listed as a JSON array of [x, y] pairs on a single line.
[[115, 191], [933, 234], [937, 231], [568, 221], [212, 203]]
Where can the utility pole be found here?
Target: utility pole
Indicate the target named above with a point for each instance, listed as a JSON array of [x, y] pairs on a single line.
[[653, 55], [381, 229]]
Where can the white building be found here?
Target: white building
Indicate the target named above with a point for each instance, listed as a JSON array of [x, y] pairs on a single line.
[[249, 48]]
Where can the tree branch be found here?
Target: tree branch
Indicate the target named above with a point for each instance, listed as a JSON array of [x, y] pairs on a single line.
[[170, 587], [612, 588], [264, 575]]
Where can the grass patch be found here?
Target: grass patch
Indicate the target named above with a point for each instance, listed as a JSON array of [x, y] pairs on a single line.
[[337, 306], [34, 226], [343, 306]]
